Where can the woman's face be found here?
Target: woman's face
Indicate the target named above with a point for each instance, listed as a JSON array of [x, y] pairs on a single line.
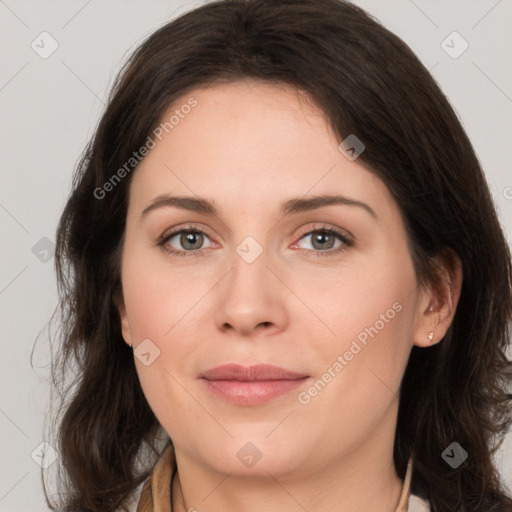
[[250, 284]]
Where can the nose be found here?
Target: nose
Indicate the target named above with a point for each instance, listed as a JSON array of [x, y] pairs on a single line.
[[251, 299]]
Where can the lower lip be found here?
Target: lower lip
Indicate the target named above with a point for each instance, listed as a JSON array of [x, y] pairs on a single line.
[[252, 392]]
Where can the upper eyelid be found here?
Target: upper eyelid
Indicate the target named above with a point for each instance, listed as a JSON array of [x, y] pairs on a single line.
[[177, 230], [326, 227]]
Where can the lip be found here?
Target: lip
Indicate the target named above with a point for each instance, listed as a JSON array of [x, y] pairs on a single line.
[[252, 385], [257, 372]]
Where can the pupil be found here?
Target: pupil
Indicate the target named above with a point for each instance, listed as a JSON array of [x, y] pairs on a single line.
[[189, 239], [322, 239]]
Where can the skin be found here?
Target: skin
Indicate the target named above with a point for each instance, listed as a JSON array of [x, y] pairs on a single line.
[[247, 147]]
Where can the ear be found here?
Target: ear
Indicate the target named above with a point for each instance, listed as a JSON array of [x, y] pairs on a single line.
[[121, 309], [437, 305]]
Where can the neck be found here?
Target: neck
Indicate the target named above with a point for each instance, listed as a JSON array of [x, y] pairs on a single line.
[[362, 480], [384, 498]]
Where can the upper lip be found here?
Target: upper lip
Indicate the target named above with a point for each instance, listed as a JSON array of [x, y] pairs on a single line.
[[258, 372]]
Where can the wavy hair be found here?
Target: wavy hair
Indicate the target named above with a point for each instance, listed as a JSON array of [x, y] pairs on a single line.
[[368, 82]]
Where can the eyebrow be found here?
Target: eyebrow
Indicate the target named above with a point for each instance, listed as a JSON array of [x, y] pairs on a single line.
[[293, 205]]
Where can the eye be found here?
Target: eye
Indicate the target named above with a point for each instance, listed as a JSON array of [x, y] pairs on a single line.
[[189, 241], [186, 241], [323, 241]]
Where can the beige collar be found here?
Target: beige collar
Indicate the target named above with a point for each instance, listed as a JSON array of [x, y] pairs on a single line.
[[156, 492]]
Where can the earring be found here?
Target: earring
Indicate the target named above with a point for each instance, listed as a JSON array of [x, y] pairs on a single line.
[[430, 336]]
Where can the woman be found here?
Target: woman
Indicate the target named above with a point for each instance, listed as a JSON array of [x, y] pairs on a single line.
[[283, 281]]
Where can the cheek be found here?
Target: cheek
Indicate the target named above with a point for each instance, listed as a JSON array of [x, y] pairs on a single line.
[[162, 306], [361, 297], [157, 297], [369, 312]]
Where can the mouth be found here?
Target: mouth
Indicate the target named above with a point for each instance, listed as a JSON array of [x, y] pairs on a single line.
[[253, 385]]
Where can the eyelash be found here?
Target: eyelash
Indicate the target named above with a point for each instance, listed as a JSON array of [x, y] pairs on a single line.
[[347, 242]]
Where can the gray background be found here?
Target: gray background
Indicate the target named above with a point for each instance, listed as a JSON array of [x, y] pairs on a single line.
[[50, 107]]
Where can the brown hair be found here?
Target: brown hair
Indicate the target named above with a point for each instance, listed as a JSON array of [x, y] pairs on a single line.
[[369, 83]]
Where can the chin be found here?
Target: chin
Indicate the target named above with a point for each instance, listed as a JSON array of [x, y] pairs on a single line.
[[255, 456]]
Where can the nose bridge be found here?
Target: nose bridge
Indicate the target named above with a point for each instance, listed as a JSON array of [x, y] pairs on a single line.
[[249, 273], [250, 294]]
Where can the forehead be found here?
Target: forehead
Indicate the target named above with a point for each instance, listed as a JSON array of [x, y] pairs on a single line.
[[248, 142], [243, 120]]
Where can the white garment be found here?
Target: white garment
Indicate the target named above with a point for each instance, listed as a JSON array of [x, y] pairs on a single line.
[[417, 504]]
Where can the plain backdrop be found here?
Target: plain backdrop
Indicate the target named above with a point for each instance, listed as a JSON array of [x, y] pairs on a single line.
[[50, 105]]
